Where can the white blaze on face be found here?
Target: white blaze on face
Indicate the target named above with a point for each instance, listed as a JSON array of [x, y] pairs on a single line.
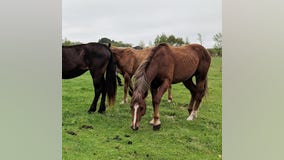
[[135, 114]]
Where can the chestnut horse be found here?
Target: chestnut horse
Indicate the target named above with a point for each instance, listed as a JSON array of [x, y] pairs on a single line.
[[169, 65], [98, 59], [127, 61]]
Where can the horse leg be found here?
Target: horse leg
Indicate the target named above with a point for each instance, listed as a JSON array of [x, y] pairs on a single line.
[[103, 98], [170, 97], [156, 99], [192, 88], [98, 90], [200, 92], [192, 113], [126, 84], [153, 93]]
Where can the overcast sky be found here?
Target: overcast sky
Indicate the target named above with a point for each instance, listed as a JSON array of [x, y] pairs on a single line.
[[132, 21]]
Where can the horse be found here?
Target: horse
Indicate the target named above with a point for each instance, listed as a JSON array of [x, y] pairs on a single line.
[[98, 59], [128, 60], [169, 65], [138, 47]]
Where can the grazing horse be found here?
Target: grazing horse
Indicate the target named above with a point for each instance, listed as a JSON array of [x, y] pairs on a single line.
[[98, 59], [128, 60], [168, 65]]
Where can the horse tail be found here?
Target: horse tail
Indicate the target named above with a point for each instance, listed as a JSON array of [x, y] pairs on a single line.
[[111, 85], [207, 60], [204, 64]]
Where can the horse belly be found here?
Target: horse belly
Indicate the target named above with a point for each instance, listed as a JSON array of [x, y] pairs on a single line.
[[178, 77], [184, 68], [72, 74]]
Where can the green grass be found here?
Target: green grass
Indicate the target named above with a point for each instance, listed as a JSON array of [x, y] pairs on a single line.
[[111, 136]]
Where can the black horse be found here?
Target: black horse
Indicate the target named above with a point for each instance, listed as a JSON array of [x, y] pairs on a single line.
[[98, 59]]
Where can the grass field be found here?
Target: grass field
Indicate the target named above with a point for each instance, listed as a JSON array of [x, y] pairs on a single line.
[[109, 136]]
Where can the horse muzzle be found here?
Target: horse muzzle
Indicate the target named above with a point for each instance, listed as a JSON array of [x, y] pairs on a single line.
[[134, 128]]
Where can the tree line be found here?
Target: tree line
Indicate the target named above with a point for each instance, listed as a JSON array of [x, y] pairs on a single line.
[[163, 38]]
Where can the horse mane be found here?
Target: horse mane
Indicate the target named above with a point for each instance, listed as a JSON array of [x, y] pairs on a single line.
[[142, 68], [141, 84]]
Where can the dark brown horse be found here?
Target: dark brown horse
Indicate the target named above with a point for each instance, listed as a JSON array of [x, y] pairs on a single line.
[[128, 60], [168, 65], [98, 59]]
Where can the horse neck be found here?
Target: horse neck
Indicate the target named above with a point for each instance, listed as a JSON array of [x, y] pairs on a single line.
[[147, 75], [151, 71]]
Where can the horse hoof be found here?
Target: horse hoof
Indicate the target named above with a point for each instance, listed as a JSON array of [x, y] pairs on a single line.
[[190, 118], [169, 100], [90, 112], [157, 127], [101, 112]]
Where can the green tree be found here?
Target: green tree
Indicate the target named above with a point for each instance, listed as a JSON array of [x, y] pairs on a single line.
[[172, 40], [218, 43], [179, 42], [161, 39], [104, 40]]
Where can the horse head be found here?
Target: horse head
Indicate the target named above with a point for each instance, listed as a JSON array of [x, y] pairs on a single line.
[[138, 109]]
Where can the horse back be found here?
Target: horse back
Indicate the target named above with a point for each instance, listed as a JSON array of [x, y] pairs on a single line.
[[140, 56], [185, 63], [77, 59], [73, 61], [128, 59], [181, 62]]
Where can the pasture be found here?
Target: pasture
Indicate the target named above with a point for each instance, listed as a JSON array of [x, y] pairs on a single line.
[[109, 136]]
